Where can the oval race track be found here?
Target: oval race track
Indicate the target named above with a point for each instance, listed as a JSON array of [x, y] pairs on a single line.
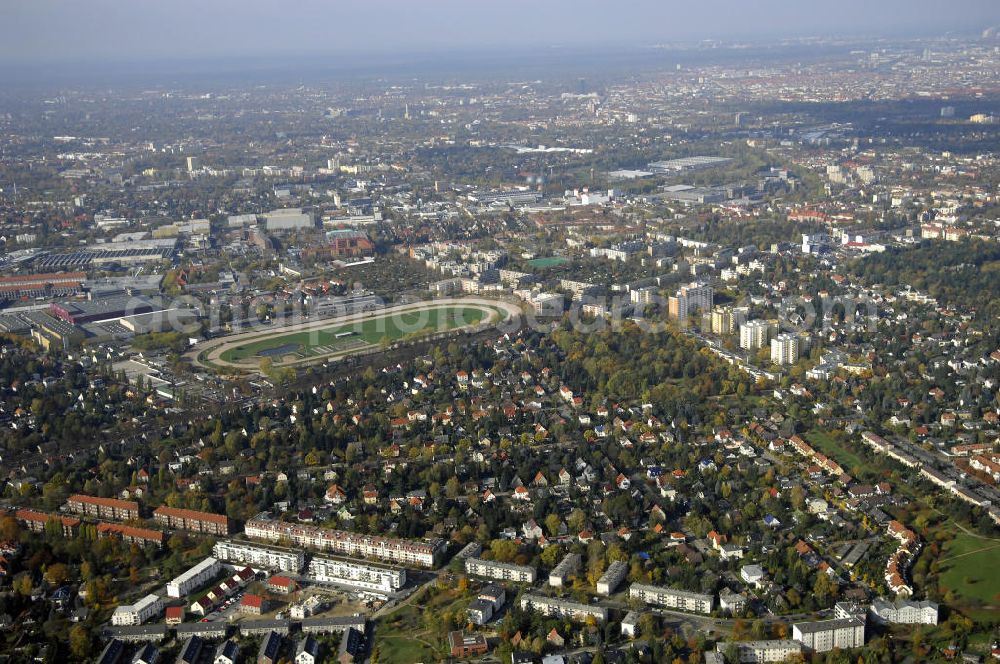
[[243, 351]]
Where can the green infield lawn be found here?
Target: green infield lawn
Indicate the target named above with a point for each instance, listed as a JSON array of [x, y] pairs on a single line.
[[325, 341]]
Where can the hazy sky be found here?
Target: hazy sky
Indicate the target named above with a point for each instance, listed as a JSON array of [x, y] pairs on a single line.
[[123, 30]]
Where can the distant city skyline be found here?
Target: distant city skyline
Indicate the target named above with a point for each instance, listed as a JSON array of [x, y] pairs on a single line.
[[60, 31]]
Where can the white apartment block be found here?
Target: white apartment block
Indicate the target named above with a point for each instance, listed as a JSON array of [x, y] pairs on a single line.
[[672, 598], [630, 624], [785, 349], [345, 543], [261, 557], [825, 635], [612, 578], [546, 304], [492, 569], [568, 565], [194, 578], [148, 607], [727, 320], [754, 575], [690, 298], [754, 334], [905, 612], [560, 608], [750, 652], [643, 296], [374, 578]]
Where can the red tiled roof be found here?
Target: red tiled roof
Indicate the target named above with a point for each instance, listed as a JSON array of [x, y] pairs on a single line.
[[32, 515], [131, 531], [254, 601], [106, 502], [181, 513]]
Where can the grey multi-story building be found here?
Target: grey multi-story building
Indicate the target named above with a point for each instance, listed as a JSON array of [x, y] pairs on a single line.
[[568, 565], [825, 635], [905, 612], [492, 569], [561, 608], [672, 598], [751, 652], [612, 578], [265, 557], [367, 576]]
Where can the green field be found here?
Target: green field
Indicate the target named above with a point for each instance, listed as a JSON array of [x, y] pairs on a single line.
[[969, 570], [549, 261], [848, 458], [324, 341], [404, 637]]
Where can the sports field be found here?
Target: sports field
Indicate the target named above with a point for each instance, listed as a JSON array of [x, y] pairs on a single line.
[[339, 338], [315, 340], [548, 261]]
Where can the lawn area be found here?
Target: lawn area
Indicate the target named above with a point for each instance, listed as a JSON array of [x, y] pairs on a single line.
[[550, 261], [969, 569], [403, 636], [358, 334], [848, 458]]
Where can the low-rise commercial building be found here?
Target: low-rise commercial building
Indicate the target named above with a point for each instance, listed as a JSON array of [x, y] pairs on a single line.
[[288, 219], [51, 333], [466, 645]]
